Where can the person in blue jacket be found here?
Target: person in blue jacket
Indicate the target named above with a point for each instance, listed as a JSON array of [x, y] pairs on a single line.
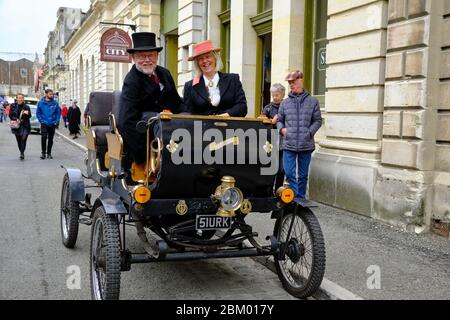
[[49, 114]]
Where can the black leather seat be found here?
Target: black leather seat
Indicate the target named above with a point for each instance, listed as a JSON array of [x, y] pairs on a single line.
[[100, 106]]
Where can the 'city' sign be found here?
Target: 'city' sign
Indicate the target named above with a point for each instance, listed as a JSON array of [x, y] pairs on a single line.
[[114, 45]]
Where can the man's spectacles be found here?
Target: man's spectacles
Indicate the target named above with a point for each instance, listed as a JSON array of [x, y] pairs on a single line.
[[143, 56]]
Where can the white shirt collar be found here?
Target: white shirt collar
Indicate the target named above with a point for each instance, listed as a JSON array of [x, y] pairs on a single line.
[[215, 81]]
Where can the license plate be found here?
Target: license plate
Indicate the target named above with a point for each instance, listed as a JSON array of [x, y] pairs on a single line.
[[212, 223]]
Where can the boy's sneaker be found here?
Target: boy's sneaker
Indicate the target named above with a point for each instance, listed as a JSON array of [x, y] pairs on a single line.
[[22, 156], [49, 156], [43, 156]]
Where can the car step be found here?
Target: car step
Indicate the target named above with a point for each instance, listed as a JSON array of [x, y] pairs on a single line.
[[85, 221]]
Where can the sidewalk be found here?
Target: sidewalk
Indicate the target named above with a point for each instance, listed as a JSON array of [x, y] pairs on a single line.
[[371, 260]]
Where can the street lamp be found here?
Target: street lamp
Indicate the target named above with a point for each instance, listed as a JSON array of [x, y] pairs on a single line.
[[60, 63]]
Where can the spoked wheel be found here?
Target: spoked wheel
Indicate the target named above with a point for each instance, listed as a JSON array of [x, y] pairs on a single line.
[[105, 259], [302, 269], [70, 212]]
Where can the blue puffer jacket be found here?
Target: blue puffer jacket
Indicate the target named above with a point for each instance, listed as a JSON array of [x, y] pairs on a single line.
[[48, 112], [300, 115]]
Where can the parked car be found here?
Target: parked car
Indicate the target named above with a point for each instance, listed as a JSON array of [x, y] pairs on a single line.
[[34, 122]]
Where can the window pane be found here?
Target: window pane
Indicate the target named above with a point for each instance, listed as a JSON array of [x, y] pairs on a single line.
[[320, 44], [266, 70], [268, 4]]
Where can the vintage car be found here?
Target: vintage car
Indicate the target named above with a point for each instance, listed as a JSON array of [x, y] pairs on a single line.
[[204, 176]]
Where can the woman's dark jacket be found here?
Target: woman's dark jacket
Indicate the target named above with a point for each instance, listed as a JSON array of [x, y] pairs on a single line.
[[141, 94], [74, 117], [15, 113], [232, 97]]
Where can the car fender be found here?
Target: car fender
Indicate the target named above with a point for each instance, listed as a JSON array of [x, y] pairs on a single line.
[[76, 184], [111, 203]]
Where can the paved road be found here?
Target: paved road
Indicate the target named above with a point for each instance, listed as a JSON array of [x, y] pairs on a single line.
[[34, 264]]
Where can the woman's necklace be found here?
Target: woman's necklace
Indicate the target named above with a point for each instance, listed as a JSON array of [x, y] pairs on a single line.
[[211, 84]]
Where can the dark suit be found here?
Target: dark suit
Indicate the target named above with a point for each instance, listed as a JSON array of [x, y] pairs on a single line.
[[232, 97], [141, 94]]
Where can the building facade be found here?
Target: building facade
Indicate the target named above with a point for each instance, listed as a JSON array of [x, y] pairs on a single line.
[[53, 71], [16, 74], [381, 70]]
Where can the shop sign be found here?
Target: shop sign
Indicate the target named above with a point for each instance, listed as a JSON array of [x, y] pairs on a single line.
[[114, 45]]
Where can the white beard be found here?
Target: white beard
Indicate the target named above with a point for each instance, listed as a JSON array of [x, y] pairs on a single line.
[[148, 71]]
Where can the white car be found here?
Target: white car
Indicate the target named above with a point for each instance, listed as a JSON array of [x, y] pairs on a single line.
[[34, 122]]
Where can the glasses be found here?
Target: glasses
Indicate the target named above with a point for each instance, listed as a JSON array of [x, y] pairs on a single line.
[[143, 56]]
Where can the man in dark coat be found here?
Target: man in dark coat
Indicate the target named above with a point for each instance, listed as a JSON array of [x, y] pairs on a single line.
[[148, 88]]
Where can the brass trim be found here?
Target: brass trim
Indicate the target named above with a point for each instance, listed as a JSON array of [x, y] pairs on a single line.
[[221, 124], [107, 160], [246, 207], [217, 118], [268, 147], [172, 147], [213, 146], [182, 208], [90, 140], [115, 145]]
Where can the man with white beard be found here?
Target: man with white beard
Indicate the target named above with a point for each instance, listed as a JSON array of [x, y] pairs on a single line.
[[148, 88]]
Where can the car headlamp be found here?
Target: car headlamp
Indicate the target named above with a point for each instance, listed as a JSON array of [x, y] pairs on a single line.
[[232, 199]]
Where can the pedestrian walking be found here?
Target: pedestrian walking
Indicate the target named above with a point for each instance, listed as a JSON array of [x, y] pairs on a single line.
[[278, 92], [8, 109], [299, 119], [74, 117], [2, 112], [49, 114], [64, 112], [21, 112]]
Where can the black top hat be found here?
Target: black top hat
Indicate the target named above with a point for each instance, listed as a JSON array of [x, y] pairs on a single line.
[[144, 41]]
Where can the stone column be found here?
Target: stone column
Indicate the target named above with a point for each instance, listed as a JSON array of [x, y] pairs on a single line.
[[404, 188], [441, 198], [190, 31], [343, 171], [243, 47], [287, 29]]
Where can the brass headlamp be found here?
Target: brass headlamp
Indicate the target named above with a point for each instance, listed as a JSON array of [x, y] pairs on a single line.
[[230, 197]]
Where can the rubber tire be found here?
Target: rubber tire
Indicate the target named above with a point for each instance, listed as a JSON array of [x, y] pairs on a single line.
[[318, 256], [111, 236], [73, 220]]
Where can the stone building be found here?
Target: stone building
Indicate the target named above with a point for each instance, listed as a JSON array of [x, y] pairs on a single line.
[[68, 20], [16, 74], [381, 70]]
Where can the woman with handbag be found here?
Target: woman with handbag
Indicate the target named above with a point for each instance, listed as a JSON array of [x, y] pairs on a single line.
[[20, 115]]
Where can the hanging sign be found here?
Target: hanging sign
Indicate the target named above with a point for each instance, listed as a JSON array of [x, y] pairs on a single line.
[[114, 45]]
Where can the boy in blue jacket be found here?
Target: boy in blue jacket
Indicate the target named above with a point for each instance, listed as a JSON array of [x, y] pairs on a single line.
[[49, 114]]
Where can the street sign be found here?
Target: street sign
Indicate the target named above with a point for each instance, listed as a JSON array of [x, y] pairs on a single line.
[[322, 59]]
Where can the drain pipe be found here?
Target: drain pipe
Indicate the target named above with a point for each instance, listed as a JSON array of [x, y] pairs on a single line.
[[205, 20]]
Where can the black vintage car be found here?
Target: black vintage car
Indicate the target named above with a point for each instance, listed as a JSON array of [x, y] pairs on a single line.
[[204, 176]]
